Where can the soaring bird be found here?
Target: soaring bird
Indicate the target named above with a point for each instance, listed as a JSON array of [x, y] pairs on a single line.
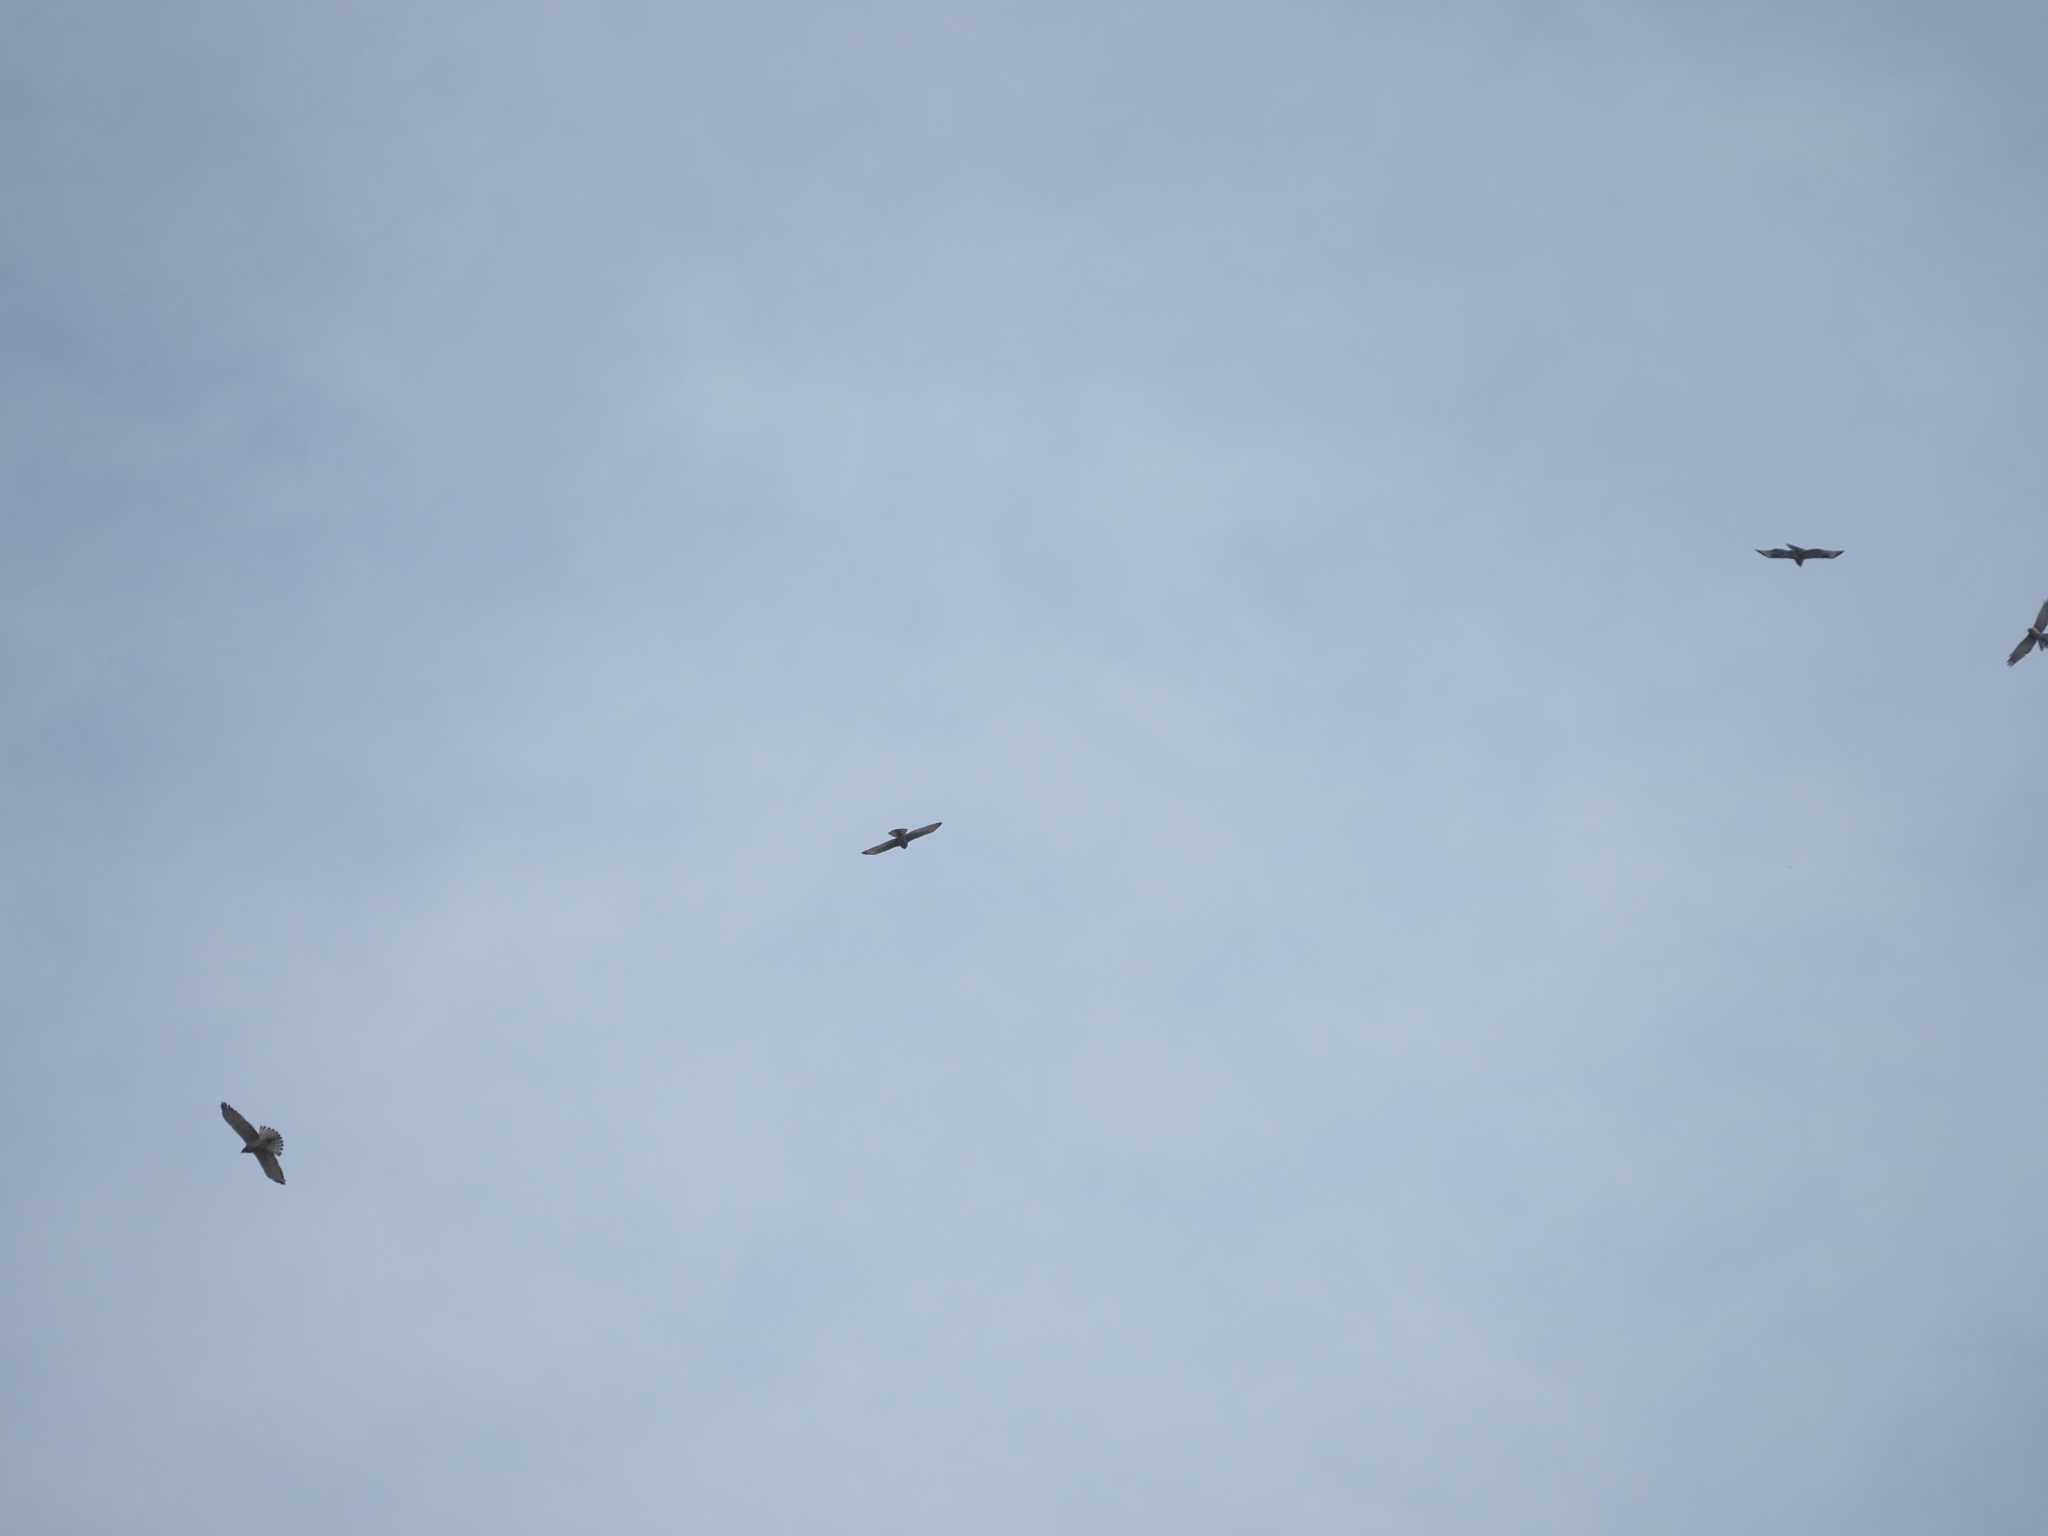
[[2038, 635], [1798, 556], [260, 1139], [903, 837]]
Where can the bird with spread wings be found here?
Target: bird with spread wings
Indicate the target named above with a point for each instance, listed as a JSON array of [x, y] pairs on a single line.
[[1798, 556], [903, 837], [265, 1143], [2036, 636]]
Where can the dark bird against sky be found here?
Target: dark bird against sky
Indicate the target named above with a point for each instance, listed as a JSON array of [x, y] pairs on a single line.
[[902, 837], [2036, 636], [259, 1139], [1797, 555]]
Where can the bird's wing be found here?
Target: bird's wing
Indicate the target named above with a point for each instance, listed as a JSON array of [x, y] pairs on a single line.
[[2026, 644], [881, 847], [268, 1159], [2041, 618], [1775, 554], [233, 1116], [1822, 554], [921, 831]]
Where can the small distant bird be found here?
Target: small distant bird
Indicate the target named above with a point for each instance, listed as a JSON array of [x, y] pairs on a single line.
[[1798, 556], [903, 837], [259, 1139], [2037, 636]]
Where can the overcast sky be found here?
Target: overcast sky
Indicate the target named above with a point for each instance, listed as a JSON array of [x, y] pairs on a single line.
[[1451, 997]]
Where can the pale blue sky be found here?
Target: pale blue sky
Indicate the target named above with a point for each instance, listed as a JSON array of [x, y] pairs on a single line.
[[1451, 996]]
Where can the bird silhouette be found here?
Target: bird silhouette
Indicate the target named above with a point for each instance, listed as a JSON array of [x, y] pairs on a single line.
[[265, 1143], [903, 837], [1798, 556], [2036, 636]]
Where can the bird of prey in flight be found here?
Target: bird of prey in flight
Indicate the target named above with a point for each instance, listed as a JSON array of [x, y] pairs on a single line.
[[259, 1139], [1798, 556], [903, 837], [2038, 635]]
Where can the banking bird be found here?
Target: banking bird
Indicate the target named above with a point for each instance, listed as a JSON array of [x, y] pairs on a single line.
[[1798, 556], [903, 837], [259, 1139], [2037, 636]]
